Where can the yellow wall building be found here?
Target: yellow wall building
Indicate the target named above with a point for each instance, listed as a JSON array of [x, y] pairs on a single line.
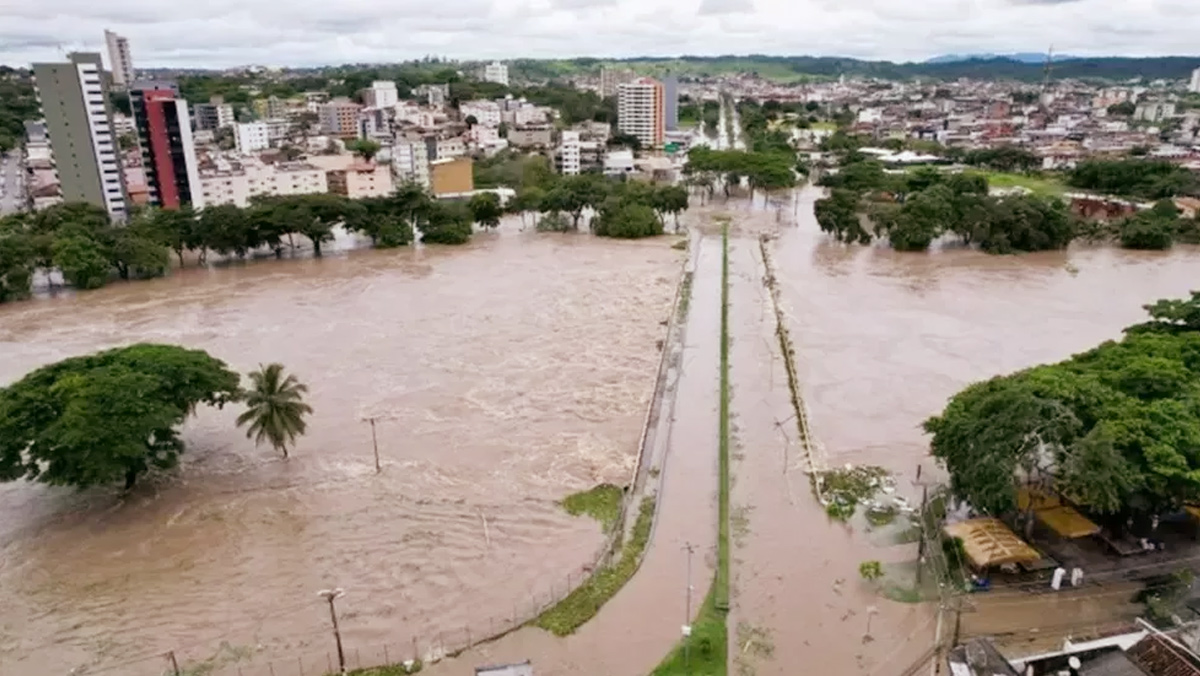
[[451, 176]]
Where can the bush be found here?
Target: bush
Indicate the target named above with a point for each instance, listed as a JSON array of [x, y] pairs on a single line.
[[555, 221], [628, 221]]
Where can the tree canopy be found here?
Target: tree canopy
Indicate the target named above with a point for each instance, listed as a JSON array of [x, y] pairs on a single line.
[[1138, 178], [106, 417], [913, 209], [1116, 429]]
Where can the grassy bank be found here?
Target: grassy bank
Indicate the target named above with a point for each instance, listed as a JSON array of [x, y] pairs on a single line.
[[707, 651], [721, 589], [393, 670], [1048, 186], [602, 503], [582, 604]]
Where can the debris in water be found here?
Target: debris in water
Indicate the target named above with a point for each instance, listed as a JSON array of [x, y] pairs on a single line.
[[844, 489]]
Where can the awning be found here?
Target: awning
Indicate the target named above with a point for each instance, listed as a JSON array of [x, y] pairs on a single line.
[[1040, 499], [1067, 522], [988, 542]]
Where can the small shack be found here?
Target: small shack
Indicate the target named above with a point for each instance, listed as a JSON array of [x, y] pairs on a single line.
[[988, 543], [1063, 519]]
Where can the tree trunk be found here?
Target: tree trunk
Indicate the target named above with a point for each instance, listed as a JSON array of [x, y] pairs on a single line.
[[316, 250], [179, 253], [291, 242], [130, 478], [284, 449]]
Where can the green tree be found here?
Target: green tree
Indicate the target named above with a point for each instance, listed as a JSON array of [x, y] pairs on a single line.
[[83, 262], [627, 220], [275, 408], [485, 209], [670, 199], [838, 215], [106, 417], [137, 254], [1122, 109], [446, 223], [1116, 428], [364, 148]]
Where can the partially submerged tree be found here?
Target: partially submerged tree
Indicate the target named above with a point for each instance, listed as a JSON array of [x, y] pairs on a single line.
[[106, 417], [1116, 429]]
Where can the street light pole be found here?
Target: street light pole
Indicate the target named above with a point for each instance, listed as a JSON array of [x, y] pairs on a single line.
[[375, 443], [687, 617], [329, 595]]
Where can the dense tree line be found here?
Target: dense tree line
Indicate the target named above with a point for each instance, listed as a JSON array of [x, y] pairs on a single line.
[[766, 171], [18, 103], [624, 209], [81, 242], [1001, 158], [1136, 178], [1116, 429], [913, 209]]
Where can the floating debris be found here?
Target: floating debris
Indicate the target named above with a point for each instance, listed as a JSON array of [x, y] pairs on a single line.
[[846, 488]]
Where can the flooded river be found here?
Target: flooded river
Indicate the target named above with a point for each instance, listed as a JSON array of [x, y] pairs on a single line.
[[504, 375], [882, 340]]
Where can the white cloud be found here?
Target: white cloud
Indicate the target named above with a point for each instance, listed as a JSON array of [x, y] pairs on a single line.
[[217, 33]]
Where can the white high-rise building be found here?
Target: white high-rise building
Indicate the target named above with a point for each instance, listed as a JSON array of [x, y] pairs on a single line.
[[640, 111], [252, 136], [569, 153], [119, 60], [496, 72], [1194, 85], [382, 94]]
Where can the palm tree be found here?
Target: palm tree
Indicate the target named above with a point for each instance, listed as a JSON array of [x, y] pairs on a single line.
[[275, 407]]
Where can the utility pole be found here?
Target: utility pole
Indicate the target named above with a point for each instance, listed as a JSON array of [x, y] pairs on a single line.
[[329, 595], [174, 663], [375, 443], [687, 617]]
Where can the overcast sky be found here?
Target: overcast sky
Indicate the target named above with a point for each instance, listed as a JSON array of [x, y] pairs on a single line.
[[219, 33]]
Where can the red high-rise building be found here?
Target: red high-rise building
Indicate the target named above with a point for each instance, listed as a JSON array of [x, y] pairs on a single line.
[[168, 153]]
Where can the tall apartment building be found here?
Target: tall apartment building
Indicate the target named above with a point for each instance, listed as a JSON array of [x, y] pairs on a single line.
[[496, 72], [119, 60], [168, 153], [382, 94], [641, 111], [410, 159], [568, 159], [339, 117], [671, 103], [1194, 85], [213, 115], [611, 78], [75, 104], [251, 137]]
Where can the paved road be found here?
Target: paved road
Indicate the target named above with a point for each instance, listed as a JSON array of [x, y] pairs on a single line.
[[12, 189]]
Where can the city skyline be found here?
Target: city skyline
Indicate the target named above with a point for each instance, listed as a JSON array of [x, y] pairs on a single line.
[[226, 33]]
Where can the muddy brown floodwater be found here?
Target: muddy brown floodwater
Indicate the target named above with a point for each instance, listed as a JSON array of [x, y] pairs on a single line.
[[883, 339], [504, 375]]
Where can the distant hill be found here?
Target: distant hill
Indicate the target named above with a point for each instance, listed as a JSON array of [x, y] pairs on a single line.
[[814, 68], [1019, 57]]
